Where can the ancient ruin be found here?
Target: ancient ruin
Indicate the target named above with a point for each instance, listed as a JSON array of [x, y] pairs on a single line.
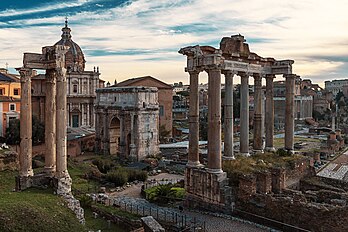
[[127, 120], [207, 186]]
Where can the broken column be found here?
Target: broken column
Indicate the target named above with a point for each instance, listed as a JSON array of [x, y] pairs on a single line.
[[257, 144], [193, 156], [25, 163], [244, 114], [228, 117], [289, 111], [269, 117], [50, 122], [214, 120]]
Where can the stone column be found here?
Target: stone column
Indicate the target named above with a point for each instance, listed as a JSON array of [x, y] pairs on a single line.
[[244, 114], [269, 117], [97, 131], [193, 156], [25, 158], [289, 111], [106, 139], [228, 117], [214, 120], [257, 144], [132, 145], [50, 122], [61, 115]]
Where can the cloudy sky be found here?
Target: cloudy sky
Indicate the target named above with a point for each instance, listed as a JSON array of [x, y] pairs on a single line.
[[129, 38]]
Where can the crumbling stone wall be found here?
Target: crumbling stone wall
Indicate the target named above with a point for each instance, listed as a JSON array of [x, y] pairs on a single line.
[[8, 160]]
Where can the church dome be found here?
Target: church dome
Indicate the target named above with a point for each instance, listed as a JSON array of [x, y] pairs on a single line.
[[74, 58]]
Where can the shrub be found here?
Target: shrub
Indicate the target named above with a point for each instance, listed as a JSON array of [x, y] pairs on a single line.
[[103, 165], [85, 201], [118, 177], [134, 174]]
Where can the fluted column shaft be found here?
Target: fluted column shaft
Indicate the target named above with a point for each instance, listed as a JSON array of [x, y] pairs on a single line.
[[61, 114], [289, 111], [193, 156], [25, 158], [244, 114], [257, 144], [269, 117], [50, 122], [228, 117], [214, 120]]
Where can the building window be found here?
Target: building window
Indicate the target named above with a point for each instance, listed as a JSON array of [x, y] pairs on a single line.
[[12, 107], [75, 88], [2, 91], [161, 111], [16, 92]]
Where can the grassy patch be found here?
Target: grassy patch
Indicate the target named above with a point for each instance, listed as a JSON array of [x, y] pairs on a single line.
[[99, 223], [116, 211]]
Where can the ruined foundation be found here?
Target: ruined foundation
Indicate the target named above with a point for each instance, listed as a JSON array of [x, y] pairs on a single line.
[[205, 190]]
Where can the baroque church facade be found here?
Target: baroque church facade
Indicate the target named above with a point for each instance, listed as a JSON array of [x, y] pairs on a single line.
[[82, 85]]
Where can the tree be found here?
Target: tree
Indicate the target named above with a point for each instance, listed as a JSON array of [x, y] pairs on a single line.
[[13, 131]]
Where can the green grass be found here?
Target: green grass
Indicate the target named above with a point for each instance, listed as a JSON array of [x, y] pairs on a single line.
[[117, 211], [33, 209], [77, 172], [100, 223]]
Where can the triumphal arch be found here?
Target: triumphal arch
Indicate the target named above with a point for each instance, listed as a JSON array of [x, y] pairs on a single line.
[[52, 60], [208, 186]]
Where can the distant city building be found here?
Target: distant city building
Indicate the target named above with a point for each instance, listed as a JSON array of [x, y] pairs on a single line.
[[165, 98], [10, 91], [81, 89], [336, 86]]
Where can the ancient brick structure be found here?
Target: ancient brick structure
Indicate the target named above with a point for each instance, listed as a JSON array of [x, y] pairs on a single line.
[[127, 121]]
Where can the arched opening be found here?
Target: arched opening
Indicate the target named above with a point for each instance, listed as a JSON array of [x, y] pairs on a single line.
[[115, 134]]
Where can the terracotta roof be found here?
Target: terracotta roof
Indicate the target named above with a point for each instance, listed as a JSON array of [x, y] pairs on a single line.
[[133, 81]]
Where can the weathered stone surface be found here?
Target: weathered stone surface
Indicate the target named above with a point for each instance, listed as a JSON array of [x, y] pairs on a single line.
[[151, 225], [8, 160], [127, 121]]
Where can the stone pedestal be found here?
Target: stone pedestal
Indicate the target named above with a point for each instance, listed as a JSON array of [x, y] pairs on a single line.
[[206, 190]]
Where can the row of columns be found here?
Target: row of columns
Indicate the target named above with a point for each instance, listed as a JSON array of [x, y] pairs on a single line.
[[55, 123], [214, 116]]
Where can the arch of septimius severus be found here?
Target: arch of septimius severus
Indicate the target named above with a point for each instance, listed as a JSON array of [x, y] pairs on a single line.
[[52, 60], [210, 184]]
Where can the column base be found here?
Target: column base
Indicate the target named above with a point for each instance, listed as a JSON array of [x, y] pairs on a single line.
[[193, 164], [246, 154], [214, 171], [50, 171], [258, 150], [228, 157], [270, 149]]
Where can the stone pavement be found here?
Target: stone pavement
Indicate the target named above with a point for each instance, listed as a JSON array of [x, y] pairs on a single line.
[[336, 169], [211, 223]]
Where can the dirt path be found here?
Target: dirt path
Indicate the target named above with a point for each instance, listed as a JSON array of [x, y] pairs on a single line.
[[134, 190]]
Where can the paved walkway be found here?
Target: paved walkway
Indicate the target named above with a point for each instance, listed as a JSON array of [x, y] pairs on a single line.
[[210, 222]]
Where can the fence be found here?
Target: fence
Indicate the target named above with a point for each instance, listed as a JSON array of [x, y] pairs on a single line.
[[180, 221]]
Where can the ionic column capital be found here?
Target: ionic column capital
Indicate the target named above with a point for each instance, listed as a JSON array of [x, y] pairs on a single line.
[[243, 74], [212, 67], [25, 74], [291, 76], [194, 72]]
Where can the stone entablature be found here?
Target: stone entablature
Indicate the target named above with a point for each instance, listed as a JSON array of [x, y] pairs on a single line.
[[127, 121]]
